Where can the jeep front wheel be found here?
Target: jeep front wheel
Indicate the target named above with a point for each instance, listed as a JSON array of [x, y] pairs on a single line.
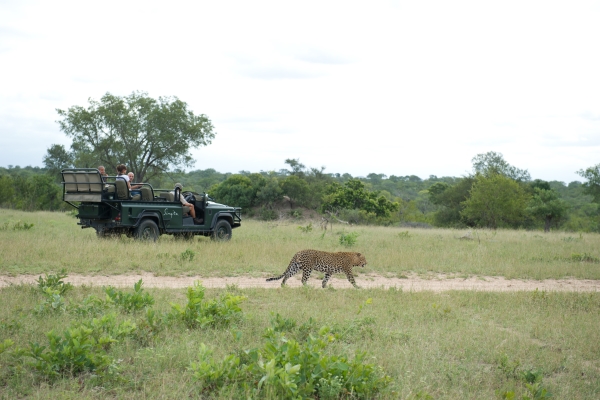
[[147, 231], [222, 232]]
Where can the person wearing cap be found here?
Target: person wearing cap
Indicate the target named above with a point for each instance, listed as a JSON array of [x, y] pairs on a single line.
[[187, 207]]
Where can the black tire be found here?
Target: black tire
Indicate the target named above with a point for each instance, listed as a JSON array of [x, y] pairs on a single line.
[[222, 232], [147, 230]]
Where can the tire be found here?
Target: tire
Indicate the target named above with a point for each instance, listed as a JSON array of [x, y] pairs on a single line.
[[147, 231], [222, 232]]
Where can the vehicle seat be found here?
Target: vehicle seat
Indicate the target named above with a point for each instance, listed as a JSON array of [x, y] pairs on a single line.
[[122, 189], [147, 194], [167, 195]]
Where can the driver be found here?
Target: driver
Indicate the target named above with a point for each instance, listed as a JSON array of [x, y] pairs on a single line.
[[187, 207]]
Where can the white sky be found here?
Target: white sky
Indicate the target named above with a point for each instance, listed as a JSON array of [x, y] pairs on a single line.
[[392, 87]]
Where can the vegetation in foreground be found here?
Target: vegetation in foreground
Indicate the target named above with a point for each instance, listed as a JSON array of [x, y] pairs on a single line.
[[62, 342], [36, 243]]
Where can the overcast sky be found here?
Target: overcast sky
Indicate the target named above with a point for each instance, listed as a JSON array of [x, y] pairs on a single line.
[[392, 87]]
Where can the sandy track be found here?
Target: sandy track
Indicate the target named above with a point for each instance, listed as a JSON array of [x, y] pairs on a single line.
[[415, 283]]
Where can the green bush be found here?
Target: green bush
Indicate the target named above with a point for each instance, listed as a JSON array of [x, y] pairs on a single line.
[[286, 368], [348, 239], [55, 283], [130, 301], [198, 312]]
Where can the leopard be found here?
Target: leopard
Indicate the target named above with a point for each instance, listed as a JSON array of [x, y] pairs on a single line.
[[323, 261]]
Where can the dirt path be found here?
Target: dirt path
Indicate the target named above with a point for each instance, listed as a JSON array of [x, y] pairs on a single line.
[[437, 283]]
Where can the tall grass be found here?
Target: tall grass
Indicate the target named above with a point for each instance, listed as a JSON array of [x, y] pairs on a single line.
[[265, 248], [467, 345]]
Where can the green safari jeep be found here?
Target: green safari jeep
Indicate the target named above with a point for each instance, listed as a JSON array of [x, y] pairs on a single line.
[[107, 205]]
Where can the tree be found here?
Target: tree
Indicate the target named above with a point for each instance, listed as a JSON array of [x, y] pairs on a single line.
[[297, 166], [492, 163], [236, 190], [57, 158], [148, 135], [496, 202], [546, 205], [354, 196], [295, 188], [451, 199], [592, 186]]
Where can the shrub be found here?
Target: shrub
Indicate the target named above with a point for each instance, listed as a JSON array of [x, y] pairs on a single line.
[[198, 312], [55, 283], [286, 368], [130, 301], [348, 239]]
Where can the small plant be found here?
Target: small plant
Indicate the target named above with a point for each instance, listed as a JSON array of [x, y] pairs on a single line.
[[297, 214], [306, 229], [130, 301], [348, 239], [585, 257], [16, 226], [55, 283], [198, 312], [53, 303], [404, 235], [187, 255]]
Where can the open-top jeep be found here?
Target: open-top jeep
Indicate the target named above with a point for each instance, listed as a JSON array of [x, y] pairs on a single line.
[[107, 205]]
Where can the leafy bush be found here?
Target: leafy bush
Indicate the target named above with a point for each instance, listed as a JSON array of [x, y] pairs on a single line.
[[187, 255], [198, 312], [306, 229], [130, 301], [55, 283], [16, 226], [286, 368], [53, 303], [348, 239]]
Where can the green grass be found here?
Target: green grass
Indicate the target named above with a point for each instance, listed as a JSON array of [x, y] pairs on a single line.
[[260, 249], [467, 345]]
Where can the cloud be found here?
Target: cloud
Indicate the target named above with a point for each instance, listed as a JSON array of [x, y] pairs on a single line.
[[276, 72], [321, 56]]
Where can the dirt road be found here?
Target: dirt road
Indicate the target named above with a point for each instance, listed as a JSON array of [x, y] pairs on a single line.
[[437, 283]]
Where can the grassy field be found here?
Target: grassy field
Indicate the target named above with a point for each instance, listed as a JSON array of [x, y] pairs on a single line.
[[467, 345], [457, 344], [260, 249]]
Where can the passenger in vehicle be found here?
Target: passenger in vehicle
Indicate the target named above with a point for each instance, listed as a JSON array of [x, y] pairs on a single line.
[[131, 176], [122, 174], [187, 207], [103, 173]]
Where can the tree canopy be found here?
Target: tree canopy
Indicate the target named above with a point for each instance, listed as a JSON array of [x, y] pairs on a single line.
[[492, 163], [592, 186], [148, 135]]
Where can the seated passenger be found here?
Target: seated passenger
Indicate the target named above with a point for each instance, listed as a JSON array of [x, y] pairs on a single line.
[[103, 173], [133, 187], [122, 174], [188, 207]]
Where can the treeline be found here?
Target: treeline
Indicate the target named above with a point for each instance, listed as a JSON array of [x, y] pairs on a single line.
[[494, 195]]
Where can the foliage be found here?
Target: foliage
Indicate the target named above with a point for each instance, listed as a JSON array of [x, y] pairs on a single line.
[[348, 239], [56, 159], [55, 283], [495, 202], [203, 313], [306, 229], [148, 135], [451, 199], [286, 368], [592, 186], [237, 190], [492, 163], [354, 196], [546, 205], [130, 302], [16, 226], [296, 189]]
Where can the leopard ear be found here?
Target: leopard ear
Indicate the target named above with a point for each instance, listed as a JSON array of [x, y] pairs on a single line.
[[358, 254]]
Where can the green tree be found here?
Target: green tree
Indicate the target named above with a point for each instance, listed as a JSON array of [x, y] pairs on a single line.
[[56, 159], [7, 190], [148, 135], [237, 190], [592, 186], [270, 193], [450, 199], [295, 188], [354, 196], [495, 202], [546, 205], [492, 163]]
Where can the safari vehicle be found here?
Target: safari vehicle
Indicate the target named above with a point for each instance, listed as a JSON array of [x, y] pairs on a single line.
[[108, 206]]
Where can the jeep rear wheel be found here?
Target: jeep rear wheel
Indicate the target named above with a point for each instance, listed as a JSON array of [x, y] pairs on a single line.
[[147, 231], [222, 232]]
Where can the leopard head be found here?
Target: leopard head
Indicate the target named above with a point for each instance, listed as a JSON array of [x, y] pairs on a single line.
[[359, 260]]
